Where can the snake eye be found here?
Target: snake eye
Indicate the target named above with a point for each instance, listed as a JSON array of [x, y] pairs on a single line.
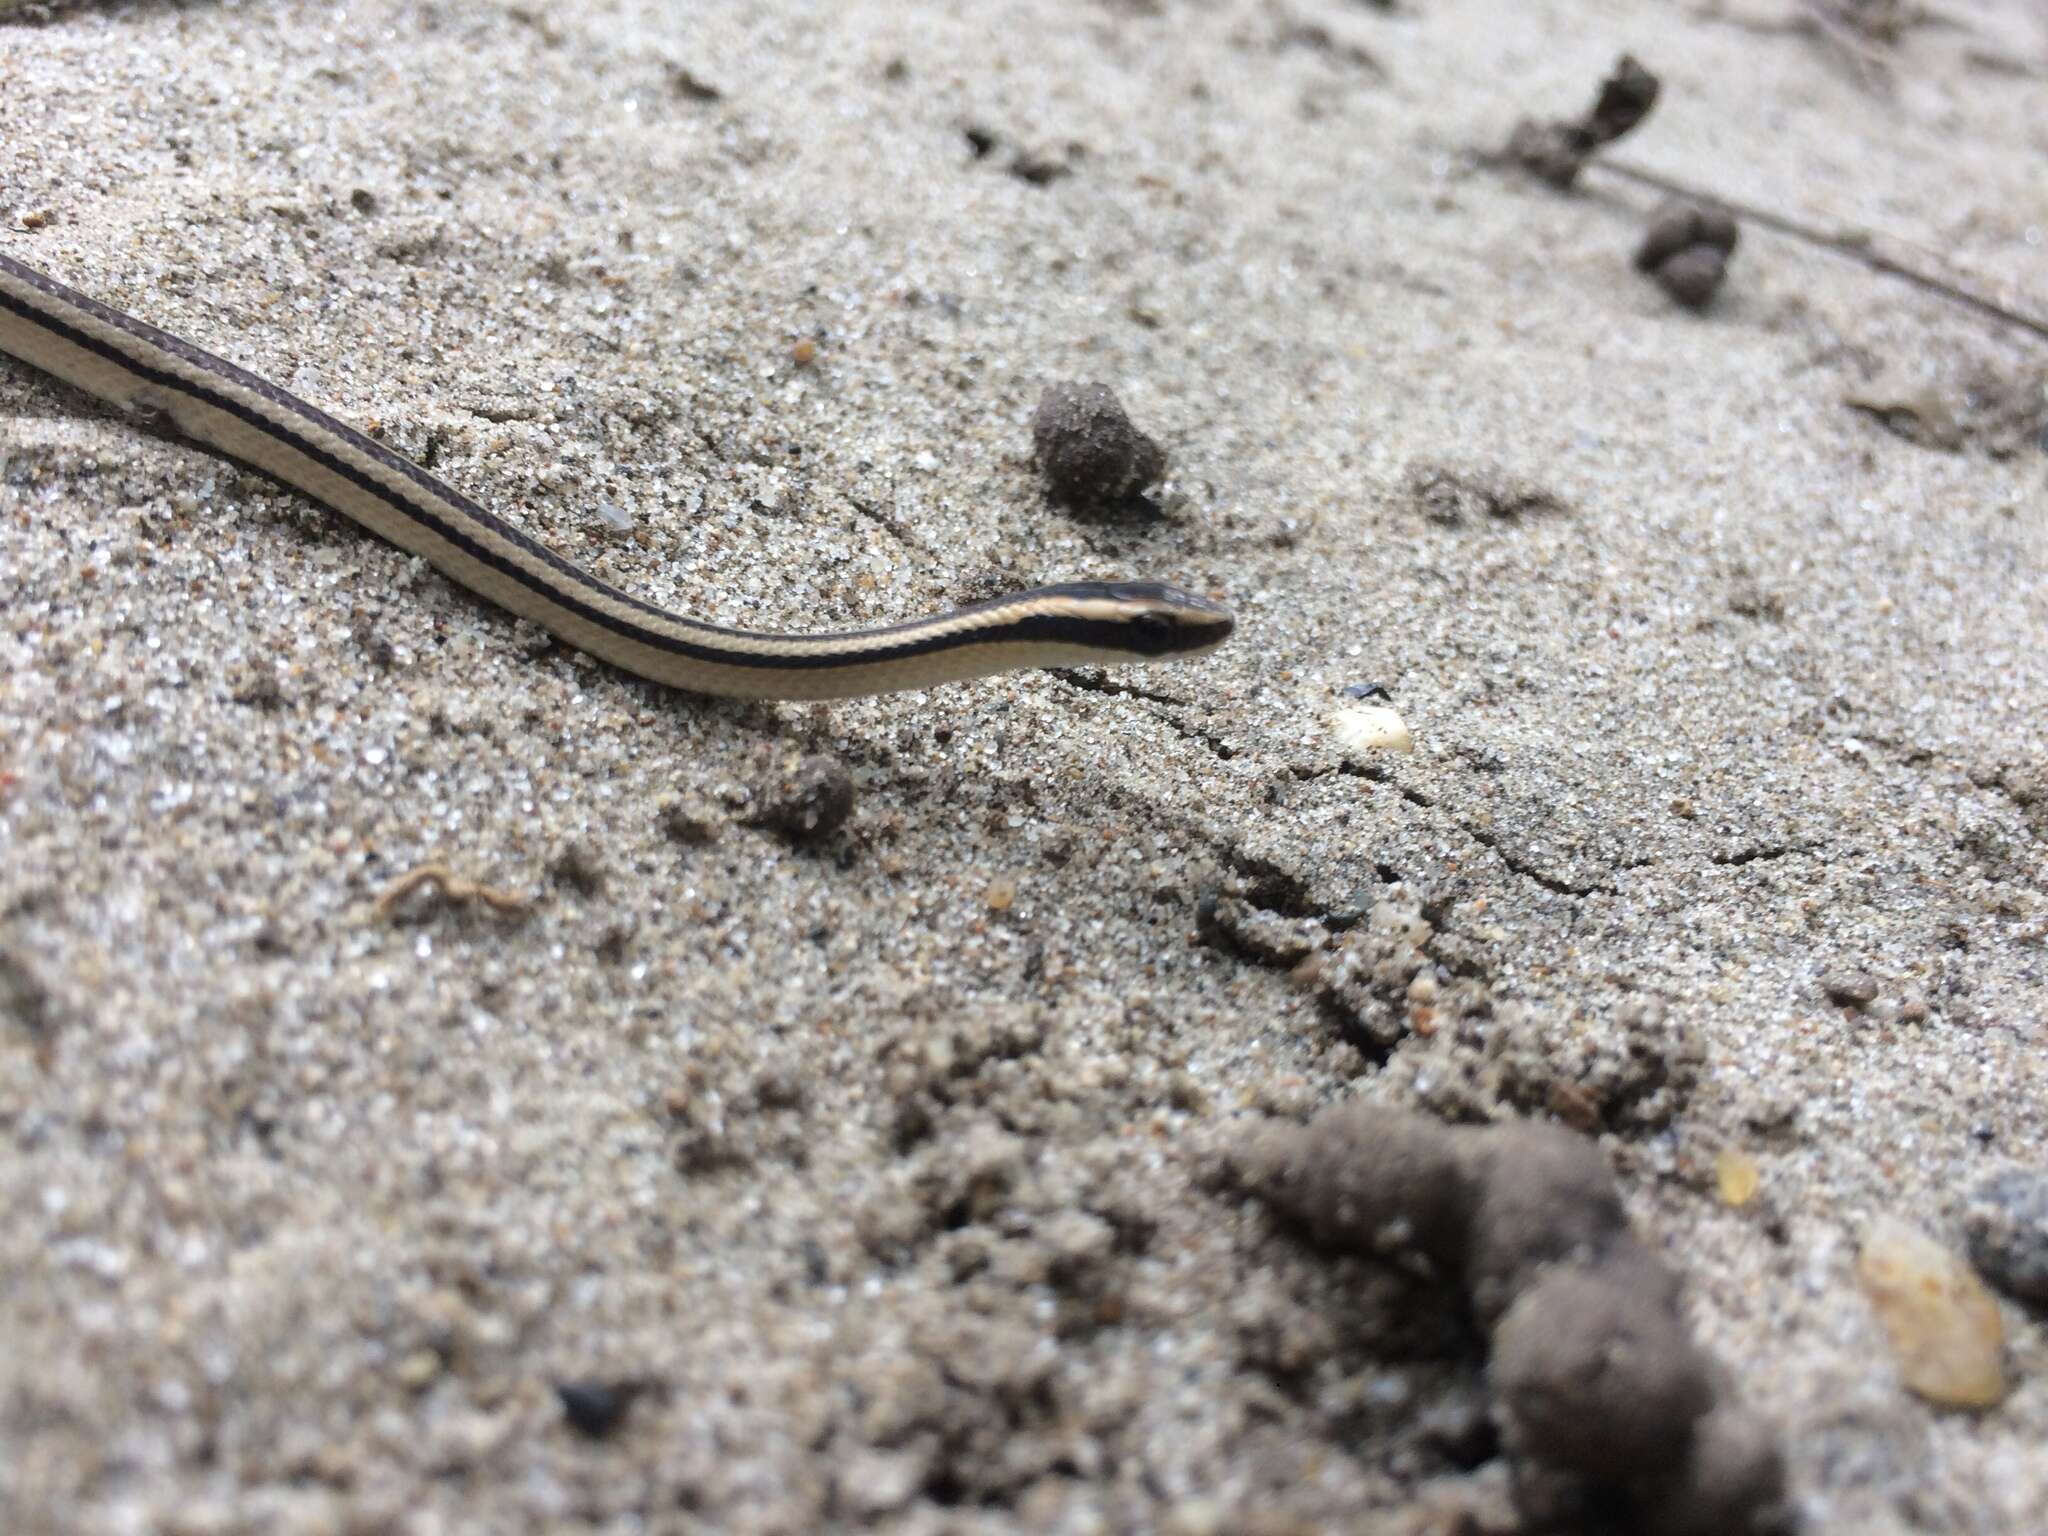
[[1151, 634]]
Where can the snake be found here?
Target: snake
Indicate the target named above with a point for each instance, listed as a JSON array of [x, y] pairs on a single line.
[[142, 369]]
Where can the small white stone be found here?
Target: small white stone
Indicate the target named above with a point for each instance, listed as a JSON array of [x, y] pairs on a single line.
[[1370, 728]]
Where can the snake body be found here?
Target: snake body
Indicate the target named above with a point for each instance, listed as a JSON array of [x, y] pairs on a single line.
[[137, 366]]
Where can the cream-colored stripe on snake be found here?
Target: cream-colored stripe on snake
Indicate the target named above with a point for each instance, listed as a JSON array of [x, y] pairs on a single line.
[[137, 366]]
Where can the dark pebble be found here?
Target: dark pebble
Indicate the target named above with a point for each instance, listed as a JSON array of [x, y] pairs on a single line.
[[1039, 168], [2006, 1228], [691, 87], [1850, 989], [595, 1408], [690, 823]]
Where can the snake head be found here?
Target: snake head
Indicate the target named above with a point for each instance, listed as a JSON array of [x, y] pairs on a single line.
[[1162, 621]]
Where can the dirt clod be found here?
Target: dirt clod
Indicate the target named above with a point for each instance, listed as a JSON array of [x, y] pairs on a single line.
[[1595, 1372], [1610, 1413], [1091, 455], [1544, 1196], [1686, 249], [1555, 152], [1678, 225], [808, 802], [1380, 1184]]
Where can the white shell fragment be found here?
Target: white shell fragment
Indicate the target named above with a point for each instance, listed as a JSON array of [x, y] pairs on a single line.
[[1371, 728]]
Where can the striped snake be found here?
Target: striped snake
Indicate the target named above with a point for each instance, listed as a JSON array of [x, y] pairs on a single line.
[[136, 366]]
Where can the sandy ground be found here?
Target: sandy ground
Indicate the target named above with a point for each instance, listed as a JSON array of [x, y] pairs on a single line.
[[885, 1169]]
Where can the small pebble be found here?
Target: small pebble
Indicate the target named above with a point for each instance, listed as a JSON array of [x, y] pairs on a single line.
[[873, 1482], [1736, 1176], [1371, 728], [1850, 989], [690, 822], [1040, 168], [1942, 1323], [691, 86], [595, 1408], [2006, 1227], [418, 1369]]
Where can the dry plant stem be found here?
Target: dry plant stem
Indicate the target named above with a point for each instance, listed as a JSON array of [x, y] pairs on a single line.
[[452, 889], [1857, 247], [1826, 25]]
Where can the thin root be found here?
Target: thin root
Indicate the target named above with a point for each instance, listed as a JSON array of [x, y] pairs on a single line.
[[450, 890]]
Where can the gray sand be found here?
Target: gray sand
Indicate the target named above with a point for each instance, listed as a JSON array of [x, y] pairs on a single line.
[[887, 1166]]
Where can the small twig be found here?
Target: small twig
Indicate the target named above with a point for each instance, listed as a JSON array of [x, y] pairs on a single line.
[[1855, 42], [1857, 247], [1856, 33], [450, 888]]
